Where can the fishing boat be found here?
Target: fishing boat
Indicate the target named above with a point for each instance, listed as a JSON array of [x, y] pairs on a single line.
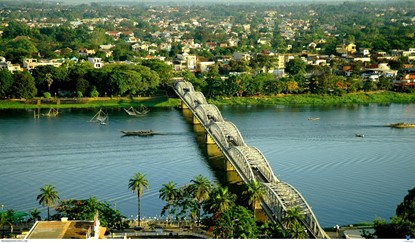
[[52, 113], [360, 135], [139, 133], [140, 111], [402, 125], [313, 118], [101, 117]]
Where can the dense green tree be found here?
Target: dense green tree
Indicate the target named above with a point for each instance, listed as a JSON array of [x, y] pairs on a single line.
[[401, 224], [295, 66], [6, 81], [237, 222], [137, 184], [15, 29], [85, 209], [23, 85], [48, 197], [164, 71]]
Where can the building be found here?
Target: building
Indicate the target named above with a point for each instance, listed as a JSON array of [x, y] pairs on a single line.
[[32, 63], [65, 229], [348, 49], [96, 62]]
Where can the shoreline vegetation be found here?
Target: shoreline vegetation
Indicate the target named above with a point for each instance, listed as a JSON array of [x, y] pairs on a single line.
[[384, 97]]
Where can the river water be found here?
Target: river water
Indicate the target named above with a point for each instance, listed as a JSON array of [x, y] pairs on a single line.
[[344, 178]]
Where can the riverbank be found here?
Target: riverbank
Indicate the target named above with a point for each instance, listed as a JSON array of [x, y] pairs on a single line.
[[381, 97]]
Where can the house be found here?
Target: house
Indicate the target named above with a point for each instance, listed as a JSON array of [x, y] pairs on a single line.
[[83, 52], [348, 49], [238, 56], [9, 66], [205, 66], [32, 63], [96, 62], [312, 45], [365, 52]]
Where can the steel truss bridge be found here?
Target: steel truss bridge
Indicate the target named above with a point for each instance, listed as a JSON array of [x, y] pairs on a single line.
[[247, 161]]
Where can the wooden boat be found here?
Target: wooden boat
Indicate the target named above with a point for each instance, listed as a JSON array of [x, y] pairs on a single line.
[[402, 125], [141, 111], [52, 113], [139, 133], [101, 117]]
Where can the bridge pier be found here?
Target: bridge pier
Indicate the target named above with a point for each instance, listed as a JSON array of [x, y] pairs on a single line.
[[195, 120], [183, 105], [209, 139], [228, 166]]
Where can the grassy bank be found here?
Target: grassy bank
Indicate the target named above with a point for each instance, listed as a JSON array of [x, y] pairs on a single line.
[[162, 101], [310, 99], [89, 103]]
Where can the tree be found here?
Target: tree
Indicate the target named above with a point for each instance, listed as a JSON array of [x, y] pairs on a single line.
[[200, 190], [163, 70], [295, 66], [237, 222], [6, 218], [48, 197], [137, 184], [401, 224], [86, 209], [254, 193], [292, 222], [220, 200], [34, 215], [23, 85], [6, 81], [170, 194]]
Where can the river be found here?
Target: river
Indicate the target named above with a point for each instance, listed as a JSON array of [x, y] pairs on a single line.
[[344, 178]]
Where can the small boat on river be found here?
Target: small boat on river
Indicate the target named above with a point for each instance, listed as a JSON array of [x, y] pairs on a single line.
[[360, 135], [139, 133], [313, 118], [402, 125]]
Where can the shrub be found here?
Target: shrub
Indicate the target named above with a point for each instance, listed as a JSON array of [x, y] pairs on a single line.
[[47, 95]]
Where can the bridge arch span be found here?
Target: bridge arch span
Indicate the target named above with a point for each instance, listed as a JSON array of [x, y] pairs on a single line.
[[194, 98], [208, 113], [183, 87], [256, 160], [227, 134]]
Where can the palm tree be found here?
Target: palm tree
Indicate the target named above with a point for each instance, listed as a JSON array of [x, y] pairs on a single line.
[[292, 217], [201, 188], [169, 193], [48, 197], [298, 231], [137, 184], [35, 214], [255, 192], [6, 218], [220, 200]]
